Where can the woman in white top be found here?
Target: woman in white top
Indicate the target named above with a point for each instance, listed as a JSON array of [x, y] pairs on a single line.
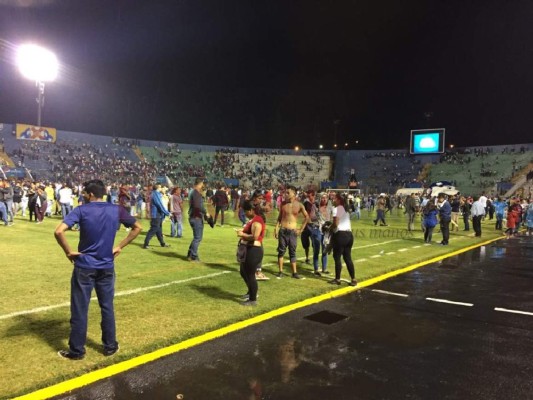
[[342, 240]]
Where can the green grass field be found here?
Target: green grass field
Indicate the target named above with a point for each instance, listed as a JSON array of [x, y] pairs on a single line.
[[162, 298]]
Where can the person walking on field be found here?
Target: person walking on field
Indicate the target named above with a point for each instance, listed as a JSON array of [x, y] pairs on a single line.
[[94, 266], [286, 230], [158, 212], [220, 201], [197, 212]]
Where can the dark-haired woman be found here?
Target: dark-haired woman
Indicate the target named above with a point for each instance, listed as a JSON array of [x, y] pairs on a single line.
[[252, 235], [342, 240]]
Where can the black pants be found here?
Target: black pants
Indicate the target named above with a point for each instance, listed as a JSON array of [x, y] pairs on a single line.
[[428, 234], [254, 257], [476, 223], [156, 228], [445, 230], [342, 247], [220, 209], [466, 221]]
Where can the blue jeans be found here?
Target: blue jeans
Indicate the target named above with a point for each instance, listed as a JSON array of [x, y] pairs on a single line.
[[65, 209], [176, 225], [197, 226], [81, 285], [3, 211], [314, 235], [9, 208], [242, 217]]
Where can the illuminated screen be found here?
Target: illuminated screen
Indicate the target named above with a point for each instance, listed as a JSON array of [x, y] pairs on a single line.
[[427, 141]]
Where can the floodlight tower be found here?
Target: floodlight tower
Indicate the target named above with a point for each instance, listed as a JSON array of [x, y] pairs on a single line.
[[40, 65]]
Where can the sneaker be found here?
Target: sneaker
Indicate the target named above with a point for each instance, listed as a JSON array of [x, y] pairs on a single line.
[[146, 247], [326, 272], [296, 276], [307, 261], [165, 245], [353, 283], [317, 273], [249, 303], [334, 282], [247, 296], [279, 275], [70, 356], [110, 352], [259, 276]]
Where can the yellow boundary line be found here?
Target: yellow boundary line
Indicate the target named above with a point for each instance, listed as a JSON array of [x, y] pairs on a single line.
[[123, 366]]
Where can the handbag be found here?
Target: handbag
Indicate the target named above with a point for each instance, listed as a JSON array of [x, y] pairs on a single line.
[[242, 248]]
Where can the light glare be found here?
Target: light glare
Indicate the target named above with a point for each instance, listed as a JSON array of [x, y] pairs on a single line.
[[37, 63]]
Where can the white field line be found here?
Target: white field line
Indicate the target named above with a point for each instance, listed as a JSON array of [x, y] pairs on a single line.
[[376, 244], [512, 311], [458, 303], [391, 293], [375, 256], [360, 259], [403, 249], [390, 253], [118, 294]]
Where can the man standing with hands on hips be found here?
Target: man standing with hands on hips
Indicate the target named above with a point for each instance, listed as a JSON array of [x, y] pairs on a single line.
[[94, 265]]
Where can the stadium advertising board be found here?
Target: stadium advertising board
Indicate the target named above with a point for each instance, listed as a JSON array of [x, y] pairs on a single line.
[[39, 133]]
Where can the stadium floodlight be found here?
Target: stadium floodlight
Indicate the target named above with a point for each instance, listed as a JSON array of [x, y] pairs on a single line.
[[40, 65]]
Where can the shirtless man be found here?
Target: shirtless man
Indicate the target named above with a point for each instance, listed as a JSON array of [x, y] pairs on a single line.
[[286, 230]]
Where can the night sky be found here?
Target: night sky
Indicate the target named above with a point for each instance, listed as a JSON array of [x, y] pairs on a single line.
[[277, 73]]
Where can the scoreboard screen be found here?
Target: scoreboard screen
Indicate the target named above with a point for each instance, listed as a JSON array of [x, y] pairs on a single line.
[[427, 141]]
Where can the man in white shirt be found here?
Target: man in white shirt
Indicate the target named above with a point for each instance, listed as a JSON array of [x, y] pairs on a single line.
[[483, 200], [478, 212], [66, 200]]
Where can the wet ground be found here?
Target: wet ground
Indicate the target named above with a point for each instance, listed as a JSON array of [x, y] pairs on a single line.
[[458, 329]]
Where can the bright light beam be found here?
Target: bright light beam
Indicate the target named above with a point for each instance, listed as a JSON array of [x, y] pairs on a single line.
[[37, 63]]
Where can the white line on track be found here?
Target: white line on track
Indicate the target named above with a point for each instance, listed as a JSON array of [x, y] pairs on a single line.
[[391, 293], [458, 303], [512, 311], [118, 294]]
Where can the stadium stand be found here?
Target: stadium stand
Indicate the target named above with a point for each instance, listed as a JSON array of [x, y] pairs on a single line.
[[78, 156]]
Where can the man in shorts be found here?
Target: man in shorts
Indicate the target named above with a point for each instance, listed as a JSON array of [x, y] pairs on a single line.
[[286, 230]]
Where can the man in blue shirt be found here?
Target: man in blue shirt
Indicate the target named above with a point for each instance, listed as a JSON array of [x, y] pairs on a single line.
[[445, 216], [499, 208], [94, 265], [157, 215]]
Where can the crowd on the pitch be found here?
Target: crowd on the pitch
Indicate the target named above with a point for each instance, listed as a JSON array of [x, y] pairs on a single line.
[[321, 221]]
